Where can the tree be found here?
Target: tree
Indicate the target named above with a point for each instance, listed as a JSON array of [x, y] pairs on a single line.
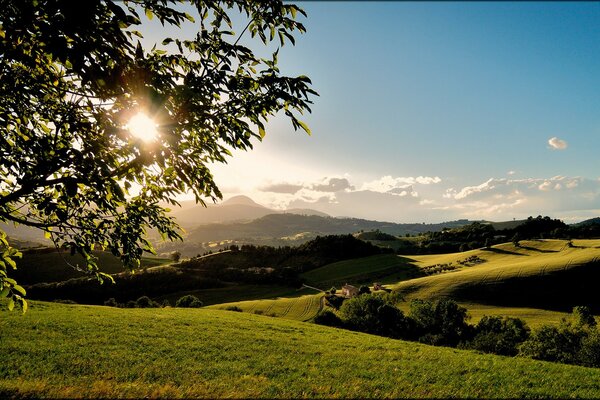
[[75, 80]]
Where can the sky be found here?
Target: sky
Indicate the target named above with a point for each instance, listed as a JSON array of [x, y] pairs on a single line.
[[431, 112]]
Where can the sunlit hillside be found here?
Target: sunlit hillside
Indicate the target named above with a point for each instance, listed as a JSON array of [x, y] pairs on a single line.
[[92, 351]]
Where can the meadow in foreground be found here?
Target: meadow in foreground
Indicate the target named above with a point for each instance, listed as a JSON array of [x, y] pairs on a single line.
[[60, 350]]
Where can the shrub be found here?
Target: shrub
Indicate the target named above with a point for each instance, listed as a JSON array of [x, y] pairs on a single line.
[[589, 353], [334, 301], [333, 290], [583, 316], [130, 304], [442, 322], [233, 308], [364, 290], [111, 302], [65, 301], [371, 313], [328, 318], [165, 303], [551, 343], [499, 335], [146, 302], [188, 301]]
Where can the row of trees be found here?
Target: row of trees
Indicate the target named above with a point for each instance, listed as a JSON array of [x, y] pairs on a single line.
[[444, 323], [477, 235], [187, 301]]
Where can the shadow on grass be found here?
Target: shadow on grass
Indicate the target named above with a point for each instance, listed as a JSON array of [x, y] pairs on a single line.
[[539, 250], [558, 290], [501, 251]]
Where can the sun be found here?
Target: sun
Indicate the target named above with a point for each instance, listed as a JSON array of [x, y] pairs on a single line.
[[143, 127]]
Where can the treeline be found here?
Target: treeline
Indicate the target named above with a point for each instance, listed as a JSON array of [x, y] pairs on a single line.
[[477, 235], [444, 323], [243, 264], [279, 265]]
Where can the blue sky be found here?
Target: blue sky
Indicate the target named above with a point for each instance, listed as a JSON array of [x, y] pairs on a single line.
[[465, 96]]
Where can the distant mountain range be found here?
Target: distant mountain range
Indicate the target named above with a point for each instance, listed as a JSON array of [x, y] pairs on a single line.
[[238, 208]]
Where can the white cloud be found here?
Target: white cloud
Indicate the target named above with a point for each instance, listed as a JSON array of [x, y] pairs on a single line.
[[389, 184], [557, 144], [511, 172]]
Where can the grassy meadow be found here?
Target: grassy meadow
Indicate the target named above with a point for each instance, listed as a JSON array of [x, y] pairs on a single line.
[[58, 350], [544, 274]]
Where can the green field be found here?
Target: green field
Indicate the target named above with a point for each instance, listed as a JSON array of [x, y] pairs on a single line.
[[544, 274], [91, 351], [303, 308], [384, 267]]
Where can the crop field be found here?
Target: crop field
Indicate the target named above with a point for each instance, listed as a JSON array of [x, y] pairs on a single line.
[[57, 350], [383, 267], [546, 274], [301, 308]]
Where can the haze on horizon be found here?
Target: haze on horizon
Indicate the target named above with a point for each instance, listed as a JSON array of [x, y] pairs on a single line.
[[431, 112]]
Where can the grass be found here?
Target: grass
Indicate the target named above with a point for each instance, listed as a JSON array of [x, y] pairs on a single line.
[[303, 308], [545, 274], [237, 293], [92, 351], [383, 267]]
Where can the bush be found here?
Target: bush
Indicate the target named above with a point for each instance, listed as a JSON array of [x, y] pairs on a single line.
[[589, 353], [233, 308], [442, 322], [583, 316], [165, 303], [371, 313], [334, 301], [146, 302], [550, 343], [499, 335], [328, 318], [188, 301], [130, 304], [111, 302], [364, 290]]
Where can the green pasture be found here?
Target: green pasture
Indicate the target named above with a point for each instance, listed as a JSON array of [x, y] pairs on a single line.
[[545, 274], [66, 351], [382, 267]]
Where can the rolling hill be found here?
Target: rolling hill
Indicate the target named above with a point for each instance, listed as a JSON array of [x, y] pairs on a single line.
[[544, 274], [64, 351]]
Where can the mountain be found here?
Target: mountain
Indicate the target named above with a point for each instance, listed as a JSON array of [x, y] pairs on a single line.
[[280, 225], [588, 222], [235, 209]]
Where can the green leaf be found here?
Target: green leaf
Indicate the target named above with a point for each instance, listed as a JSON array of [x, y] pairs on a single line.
[[24, 306], [149, 14], [11, 304], [304, 127], [20, 289]]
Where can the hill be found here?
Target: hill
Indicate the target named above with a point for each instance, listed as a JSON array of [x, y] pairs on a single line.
[[237, 208], [285, 229], [85, 351], [544, 274]]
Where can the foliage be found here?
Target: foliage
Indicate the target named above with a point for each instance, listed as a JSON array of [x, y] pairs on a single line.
[[73, 74], [188, 301], [554, 343], [146, 302], [373, 313], [328, 318], [233, 308], [440, 322], [499, 335], [583, 316]]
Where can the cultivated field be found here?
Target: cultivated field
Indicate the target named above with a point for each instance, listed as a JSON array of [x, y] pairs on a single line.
[[545, 274], [91, 351]]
